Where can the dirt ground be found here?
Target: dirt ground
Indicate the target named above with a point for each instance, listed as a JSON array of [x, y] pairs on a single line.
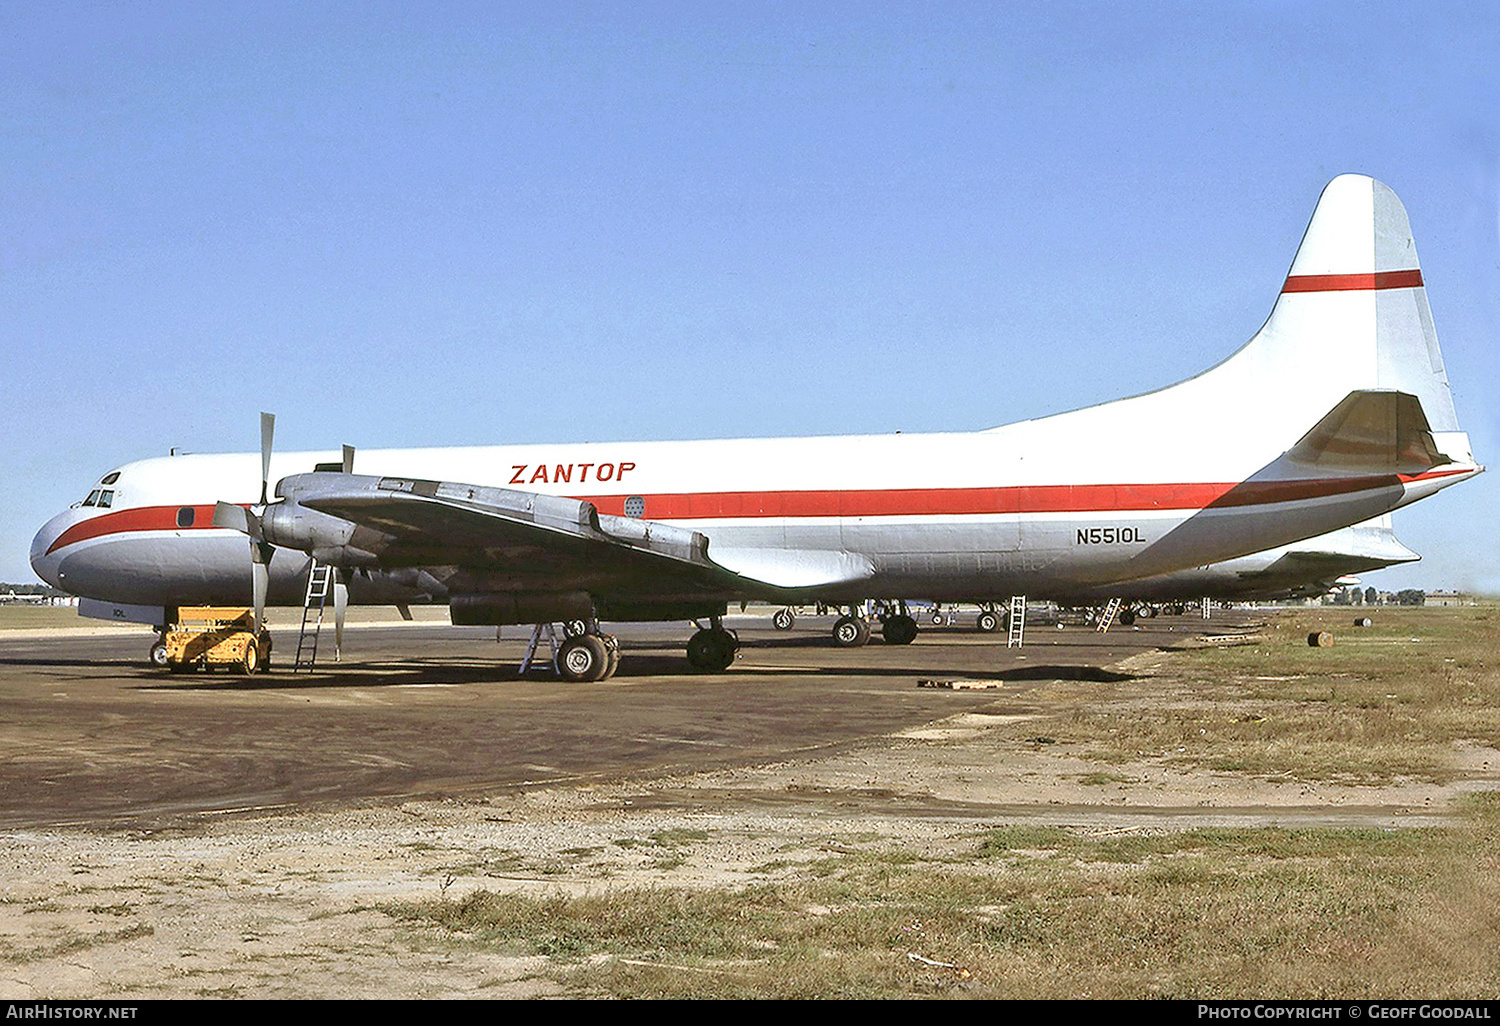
[[287, 904]]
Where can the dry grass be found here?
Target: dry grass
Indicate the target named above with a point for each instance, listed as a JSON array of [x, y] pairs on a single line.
[[1385, 702], [1044, 913], [1041, 913]]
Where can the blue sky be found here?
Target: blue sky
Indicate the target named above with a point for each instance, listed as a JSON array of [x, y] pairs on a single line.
[[398, 224]]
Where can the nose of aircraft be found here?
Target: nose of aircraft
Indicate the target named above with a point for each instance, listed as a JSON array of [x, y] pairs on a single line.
[[44, 562]]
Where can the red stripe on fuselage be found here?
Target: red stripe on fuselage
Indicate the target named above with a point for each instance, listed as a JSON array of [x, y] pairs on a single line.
[[1354, 282], [1108, 498], [136, 518]]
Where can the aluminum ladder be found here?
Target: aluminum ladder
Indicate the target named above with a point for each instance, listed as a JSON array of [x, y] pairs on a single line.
[[1017, 621], [536, 637], [320, 581], [1108, 618]]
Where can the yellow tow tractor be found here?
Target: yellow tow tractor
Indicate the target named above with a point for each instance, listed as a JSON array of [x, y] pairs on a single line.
[[209, 636]]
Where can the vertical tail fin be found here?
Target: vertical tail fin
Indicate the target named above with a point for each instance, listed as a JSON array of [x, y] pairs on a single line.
[[1352, 315], [1354, 307]]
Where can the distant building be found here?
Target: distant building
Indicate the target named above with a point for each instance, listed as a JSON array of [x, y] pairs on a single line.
[[34, 595]]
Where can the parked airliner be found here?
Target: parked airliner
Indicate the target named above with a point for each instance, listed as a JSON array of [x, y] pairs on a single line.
[[1338, 410]]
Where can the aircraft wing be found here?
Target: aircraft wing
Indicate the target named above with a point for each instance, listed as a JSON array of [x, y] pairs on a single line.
[[519, 539]]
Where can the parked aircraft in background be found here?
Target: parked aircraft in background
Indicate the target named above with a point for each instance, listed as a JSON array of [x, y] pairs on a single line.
[[1304, 569], [1336, 411]]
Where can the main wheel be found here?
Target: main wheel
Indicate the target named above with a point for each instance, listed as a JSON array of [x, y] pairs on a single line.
[[612, 652], [583, 658], [784, 620], [851, 632], [1127, 617], [711, 650], [899, 630], [988, 621]]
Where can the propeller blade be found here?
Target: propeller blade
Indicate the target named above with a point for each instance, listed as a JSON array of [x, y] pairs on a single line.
[[267, 429], [237, 518], [348, 459], [260, 580], [340, 606]]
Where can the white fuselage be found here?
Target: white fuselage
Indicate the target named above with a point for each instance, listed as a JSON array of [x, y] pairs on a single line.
[[979, 515]]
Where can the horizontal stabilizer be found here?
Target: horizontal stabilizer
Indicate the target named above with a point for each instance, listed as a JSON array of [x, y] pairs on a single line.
[[1371, 432]]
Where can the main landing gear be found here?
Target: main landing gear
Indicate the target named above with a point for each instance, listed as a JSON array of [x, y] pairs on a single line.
[[897, 627], [588, 655], [712, 649], [851, 631], [990, 619]]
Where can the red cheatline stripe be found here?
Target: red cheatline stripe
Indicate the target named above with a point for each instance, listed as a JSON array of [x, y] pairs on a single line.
[[1353, 282], [1108, 498], [138, 518]]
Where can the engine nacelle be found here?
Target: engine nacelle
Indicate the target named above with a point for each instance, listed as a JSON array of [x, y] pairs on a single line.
[[328, 539]]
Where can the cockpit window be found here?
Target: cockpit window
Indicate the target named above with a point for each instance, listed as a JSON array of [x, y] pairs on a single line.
[[106, 499], [93, 499], [110, 478]]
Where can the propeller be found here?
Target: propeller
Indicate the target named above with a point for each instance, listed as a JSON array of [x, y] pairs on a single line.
[[267, 430], [248, 522], [340, 605], [340, 585]]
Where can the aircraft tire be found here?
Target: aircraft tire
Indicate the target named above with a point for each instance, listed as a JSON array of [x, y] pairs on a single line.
[[851, 632], [712, 650], [899, 630], [784, 620], [988, 621], [612, 651], [1127, 617], [583, 658]]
